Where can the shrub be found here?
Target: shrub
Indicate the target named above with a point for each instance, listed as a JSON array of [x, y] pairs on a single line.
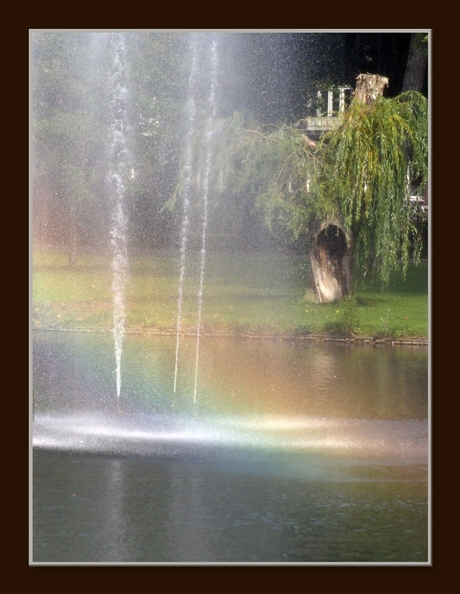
[[349, 318]]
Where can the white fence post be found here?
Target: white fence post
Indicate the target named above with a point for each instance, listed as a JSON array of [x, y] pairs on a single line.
[[329, 104], [342, 99], [318, 110]]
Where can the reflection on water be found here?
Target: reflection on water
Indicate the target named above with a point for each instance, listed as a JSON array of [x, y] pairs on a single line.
[[293, 452], [76, 372], [99, 509]]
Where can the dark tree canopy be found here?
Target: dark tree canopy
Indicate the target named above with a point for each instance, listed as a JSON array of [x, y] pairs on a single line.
[[415, 76]]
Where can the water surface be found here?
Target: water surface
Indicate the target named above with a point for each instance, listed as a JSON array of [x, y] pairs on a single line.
[[292, 453]]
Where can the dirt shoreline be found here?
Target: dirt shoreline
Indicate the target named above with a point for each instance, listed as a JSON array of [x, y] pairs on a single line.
[[366, 340]]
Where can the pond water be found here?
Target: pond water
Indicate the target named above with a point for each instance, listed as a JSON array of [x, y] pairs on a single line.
[[292, 453]]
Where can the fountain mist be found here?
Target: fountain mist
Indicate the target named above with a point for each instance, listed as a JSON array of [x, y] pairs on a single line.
[[119, 161]]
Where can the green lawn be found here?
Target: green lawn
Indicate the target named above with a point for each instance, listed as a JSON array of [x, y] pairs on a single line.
[[242, 293]]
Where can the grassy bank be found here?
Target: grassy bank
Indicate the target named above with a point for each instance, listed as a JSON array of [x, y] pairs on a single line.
[[243, 293]]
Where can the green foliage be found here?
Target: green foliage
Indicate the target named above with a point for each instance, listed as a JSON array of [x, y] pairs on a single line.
[[349, 322], [365, 165], [157, 77], [71, 95], [357, 174], [273, 168], [346, 319], [69, 135]]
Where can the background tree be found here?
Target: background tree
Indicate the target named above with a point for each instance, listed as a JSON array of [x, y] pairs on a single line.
[[68, 139], [158, 79], [71, 121], [417, 63]]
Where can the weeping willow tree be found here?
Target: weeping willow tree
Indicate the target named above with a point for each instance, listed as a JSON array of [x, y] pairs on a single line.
[[274, 168], [366, 167], [348, 194]]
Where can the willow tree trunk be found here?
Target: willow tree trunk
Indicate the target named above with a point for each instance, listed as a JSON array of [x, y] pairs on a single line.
[[331, 262], [369, 87], [331, 255]]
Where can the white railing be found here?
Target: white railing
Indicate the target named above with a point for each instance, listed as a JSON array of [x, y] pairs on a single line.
[[333, 103], [328, 108]]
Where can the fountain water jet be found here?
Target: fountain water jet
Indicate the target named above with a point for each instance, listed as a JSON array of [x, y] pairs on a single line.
[[187, 175], [199, 51], [208, 149], [119, 162]]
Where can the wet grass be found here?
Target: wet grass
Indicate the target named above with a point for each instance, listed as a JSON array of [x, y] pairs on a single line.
[[242, 294]]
